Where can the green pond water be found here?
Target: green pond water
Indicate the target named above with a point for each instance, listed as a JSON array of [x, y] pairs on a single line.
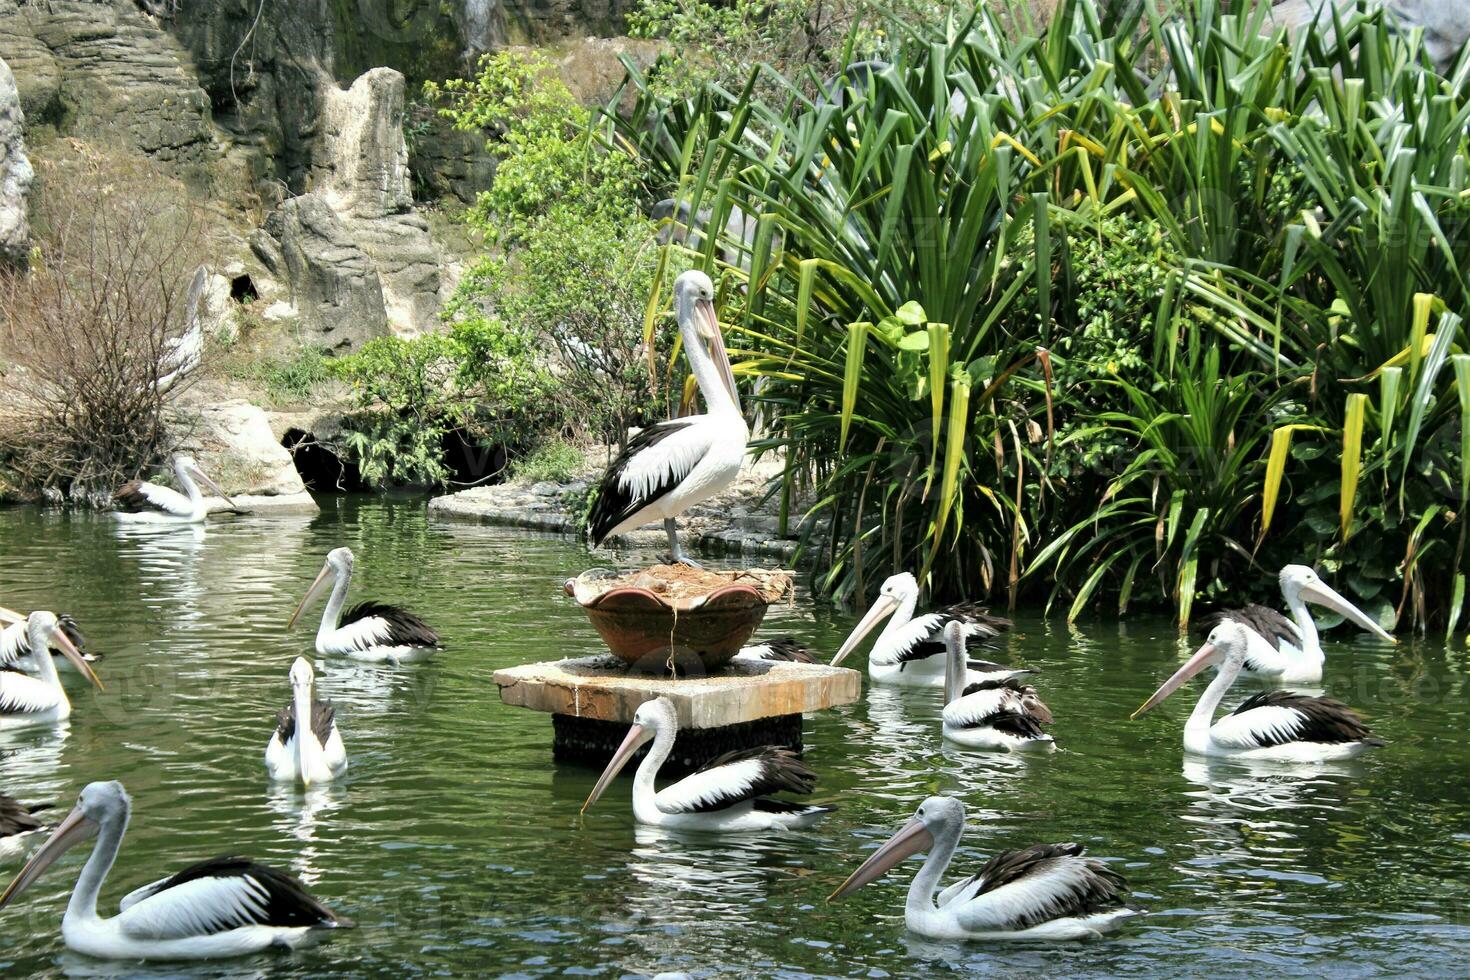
[[456, 844]]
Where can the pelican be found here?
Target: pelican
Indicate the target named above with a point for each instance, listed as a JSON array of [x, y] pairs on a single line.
[[18, 824], [40, 700], [1044, 892], [1288, 651], [15, 645], [910, 650], [783, 649], [1275, 725], [371, 631], [148, 502], [226, 906], [311, 753], [729, 795], [183, 354], [999, 715], [671, 466]]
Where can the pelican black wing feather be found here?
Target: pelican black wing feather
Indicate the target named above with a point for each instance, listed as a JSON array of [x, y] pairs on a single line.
[[130, 498], [286, 901], [1323, 720], [323, 718], [775, 770], [788, 650], [1263, 619], [615, 503], [17, 818], [1008, 684], [974, 614], [404, 628], [1097, 888]]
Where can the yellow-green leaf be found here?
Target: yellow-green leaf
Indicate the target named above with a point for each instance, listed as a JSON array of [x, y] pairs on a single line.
[[1352, 458], [857, 346], [938, 371], [954, 453]]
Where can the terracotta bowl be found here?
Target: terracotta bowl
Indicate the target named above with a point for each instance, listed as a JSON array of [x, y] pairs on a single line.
[[649, 631]]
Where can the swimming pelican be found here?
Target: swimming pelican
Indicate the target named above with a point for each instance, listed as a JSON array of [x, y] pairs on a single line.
[[729, 795], [311, 753], [910, 650], [40, 700], [375, 632], [149, 502], [1044, 892], [15, 645], [18, 824], [226, 906], [783, 649], [1271, 725], [1288, 651], [999, 715], [671, 466]]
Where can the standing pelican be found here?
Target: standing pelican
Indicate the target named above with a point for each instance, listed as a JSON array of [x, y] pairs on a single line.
[[1288, 651], [149, 502], [999, 715], [40, 700], [227, 906], [783, 649], [372, 631], [15, 645], [183, 354], [18, 824], [729, 795], [1275, 725], [310, 752], [671, 466], [910, 650], [1044, 892]]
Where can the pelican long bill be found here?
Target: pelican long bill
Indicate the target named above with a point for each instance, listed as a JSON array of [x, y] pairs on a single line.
[[1202, 658], [911, 840], [634, 740], [75, 829]]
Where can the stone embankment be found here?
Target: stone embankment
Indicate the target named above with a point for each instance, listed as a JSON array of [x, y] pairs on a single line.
[[744, 520]]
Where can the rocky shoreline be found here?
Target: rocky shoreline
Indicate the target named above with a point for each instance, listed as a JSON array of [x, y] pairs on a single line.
[[739, 522]]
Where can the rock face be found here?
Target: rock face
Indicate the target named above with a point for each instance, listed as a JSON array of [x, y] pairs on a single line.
[[106, 70], [1446, 23], [237, 448], [15, 174], [333, 284], [363, 174]]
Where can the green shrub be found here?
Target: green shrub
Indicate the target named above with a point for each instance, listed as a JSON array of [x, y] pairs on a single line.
[[479, 379], [558, 461]]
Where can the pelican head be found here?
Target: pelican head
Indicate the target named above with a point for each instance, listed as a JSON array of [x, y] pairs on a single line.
[[651, 718], [338, 564], [187, 471], [938, 817], [694, 308], [1225, 647], [1301, 583], [302, 676], [99, 805], [896, 589], [46, 632]]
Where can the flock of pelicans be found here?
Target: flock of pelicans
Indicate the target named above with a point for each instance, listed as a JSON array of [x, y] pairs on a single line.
[[231, 906]]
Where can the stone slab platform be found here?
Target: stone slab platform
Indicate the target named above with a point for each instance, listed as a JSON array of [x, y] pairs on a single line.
[[739, 706], [602, 689]]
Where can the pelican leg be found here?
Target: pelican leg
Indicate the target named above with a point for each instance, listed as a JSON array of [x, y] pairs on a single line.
[[672, 530]]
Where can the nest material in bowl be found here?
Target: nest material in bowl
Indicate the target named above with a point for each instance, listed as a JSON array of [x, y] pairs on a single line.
[[683, 587]]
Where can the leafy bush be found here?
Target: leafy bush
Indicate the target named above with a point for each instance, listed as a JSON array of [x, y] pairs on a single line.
[[1247, 251], [558, 461], [479, 379], [577, 259]]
